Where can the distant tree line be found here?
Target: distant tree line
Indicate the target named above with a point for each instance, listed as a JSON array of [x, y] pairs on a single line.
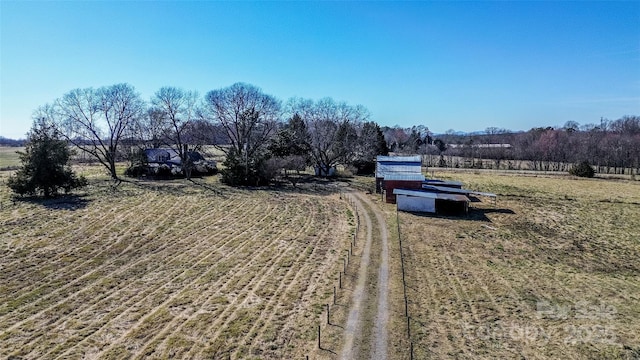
[[260, 136], [612, 146], [12, 142]]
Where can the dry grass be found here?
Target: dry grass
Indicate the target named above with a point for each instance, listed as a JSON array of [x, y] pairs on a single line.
[[8, 157], [168, 269], [553, 271]]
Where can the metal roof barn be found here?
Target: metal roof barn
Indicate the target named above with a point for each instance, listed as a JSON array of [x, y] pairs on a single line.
[[396, 165], [400, 181], [386, 165]]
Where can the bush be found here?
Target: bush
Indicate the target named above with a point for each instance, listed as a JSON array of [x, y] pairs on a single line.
[[44, 169], [135, 171], [254, 171], [363, 167], [582, 169]]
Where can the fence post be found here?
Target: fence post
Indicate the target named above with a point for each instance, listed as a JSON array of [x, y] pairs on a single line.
[[412, 350], [319, 346], [404, 282], [334, 295], [340, 281], [328, 322]]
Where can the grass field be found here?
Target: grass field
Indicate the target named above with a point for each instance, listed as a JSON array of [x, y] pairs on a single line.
[[199, 270], [552, 271], [167, 270], [8, 157]]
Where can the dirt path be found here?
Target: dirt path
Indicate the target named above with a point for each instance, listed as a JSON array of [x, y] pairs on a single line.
[[355, 329]]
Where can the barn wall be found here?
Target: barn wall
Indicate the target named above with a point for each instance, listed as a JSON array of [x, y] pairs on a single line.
[[389, 185], [416, 204]]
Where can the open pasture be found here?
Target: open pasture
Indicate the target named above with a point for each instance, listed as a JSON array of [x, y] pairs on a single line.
[[9, 157], [552, 272], [168, 270]]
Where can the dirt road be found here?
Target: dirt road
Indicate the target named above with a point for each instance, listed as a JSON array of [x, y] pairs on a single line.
[[366, 330]]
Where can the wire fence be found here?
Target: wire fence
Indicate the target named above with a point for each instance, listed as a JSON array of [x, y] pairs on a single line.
[[346, 260]]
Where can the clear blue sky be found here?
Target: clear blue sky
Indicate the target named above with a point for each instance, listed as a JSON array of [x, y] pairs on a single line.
[[447, 65]]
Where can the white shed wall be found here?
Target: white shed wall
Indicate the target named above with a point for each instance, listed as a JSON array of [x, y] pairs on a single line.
[[417, 204]]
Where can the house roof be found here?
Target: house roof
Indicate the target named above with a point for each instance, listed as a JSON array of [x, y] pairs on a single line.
[[430, 195], [155, 152]]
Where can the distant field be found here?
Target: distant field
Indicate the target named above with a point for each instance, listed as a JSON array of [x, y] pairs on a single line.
[[168, 270], [552, 272], [8, 156]]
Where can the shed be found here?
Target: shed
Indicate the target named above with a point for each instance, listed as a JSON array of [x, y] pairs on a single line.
[[400, 181], [430, 202], [388, 165]]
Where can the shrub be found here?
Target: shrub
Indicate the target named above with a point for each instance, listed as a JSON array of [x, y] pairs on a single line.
[[254, 171], [45, 169], [582, 169]]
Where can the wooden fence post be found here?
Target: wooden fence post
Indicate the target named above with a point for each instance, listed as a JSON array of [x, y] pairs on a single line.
[[328, 321]]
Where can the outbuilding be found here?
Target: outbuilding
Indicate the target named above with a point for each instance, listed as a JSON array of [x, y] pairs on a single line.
[[396, 165], [430, 202], [392, 182]]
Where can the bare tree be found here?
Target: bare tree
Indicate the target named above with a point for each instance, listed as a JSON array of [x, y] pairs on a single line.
[[173, 114], [248, 118], [95, 121], [331, 127]]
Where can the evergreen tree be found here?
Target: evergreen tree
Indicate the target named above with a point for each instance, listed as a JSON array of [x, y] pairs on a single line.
[[45, 168], [370, 144]]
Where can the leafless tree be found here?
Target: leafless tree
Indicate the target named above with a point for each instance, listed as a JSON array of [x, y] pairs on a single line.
[[332, 129], [173, 113], [96, 120], [248, 118]]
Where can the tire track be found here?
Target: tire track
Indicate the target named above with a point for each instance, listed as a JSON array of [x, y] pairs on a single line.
[[161, 283], [188, 315], [156, 307], [353, 326], [69, 285], [114, 274], [283, 290]]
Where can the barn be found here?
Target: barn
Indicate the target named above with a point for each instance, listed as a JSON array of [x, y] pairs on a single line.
[[431, 202], [392, 182], [396, 165]]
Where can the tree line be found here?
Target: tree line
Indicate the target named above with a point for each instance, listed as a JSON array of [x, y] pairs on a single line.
[[612, 146], [260, 135]]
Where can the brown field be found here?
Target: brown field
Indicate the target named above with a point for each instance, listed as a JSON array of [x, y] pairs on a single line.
[[166, 270], [198, 270], [552, 271]]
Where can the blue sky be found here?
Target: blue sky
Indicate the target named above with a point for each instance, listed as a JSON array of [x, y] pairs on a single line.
[[447, 65]]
